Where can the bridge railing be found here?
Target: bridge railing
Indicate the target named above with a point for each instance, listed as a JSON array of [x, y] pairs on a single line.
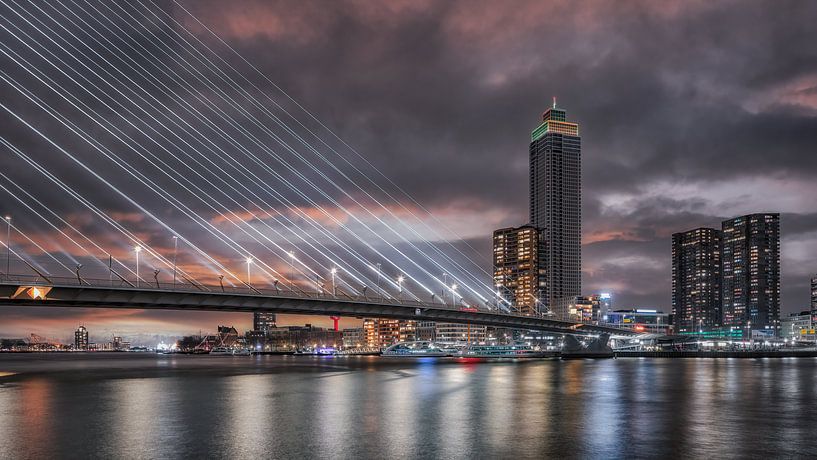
[[184, 286]]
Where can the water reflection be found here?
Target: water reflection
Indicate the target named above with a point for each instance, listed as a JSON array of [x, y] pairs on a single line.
[[369, 407]]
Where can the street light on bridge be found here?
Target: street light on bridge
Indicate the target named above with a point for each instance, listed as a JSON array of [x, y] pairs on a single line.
[[8, 246], [175, 251], [400, 287], [333, 271], [453, 295], [137, 250], [249, 263]]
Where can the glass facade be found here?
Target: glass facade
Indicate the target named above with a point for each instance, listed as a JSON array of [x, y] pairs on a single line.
[[555, 206]]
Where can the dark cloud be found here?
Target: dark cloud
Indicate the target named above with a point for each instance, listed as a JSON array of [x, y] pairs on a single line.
[[690, 112]]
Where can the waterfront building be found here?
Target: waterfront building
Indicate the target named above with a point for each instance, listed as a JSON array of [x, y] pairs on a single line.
[[426, 330], [640, 320], [519, 273], [81, 338], [385, 332], [605, 300], [354, 337], [798, 326], [555, 205], [582, 310], [454, 332], [300, 337], [263, 321], [814, 299], [751, 274], [696, 280]]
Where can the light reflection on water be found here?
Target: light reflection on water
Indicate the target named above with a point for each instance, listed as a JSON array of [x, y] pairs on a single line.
[[186, 406]]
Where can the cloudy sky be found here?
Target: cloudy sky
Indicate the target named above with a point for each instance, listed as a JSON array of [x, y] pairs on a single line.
[[690, 113]]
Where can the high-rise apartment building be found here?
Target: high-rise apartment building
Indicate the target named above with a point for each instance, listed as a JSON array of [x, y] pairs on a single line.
[[814, 299], [519, 276], [263, 321], [696, 280], [81, 338], [751, 273], [555, 205]]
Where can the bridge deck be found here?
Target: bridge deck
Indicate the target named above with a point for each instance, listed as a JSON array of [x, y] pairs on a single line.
[[71, 292]]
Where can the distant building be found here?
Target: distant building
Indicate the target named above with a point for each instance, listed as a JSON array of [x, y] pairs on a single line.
[[640, 320], [455, 332], [696, 280], [751, 273], [385, 332], [263, 321], [519, 273], [798, 326], [814, 299], [555, 206], [119, 345], [81, 338], [354, 337], [426, 330], [298, 337], [582, 310]]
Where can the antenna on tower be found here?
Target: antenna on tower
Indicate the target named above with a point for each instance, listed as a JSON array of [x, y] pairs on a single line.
[[554, 102]]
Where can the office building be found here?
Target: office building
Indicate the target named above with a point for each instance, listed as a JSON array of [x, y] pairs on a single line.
[[555, 205], [81, 338], [263, 321], [751, 274], [696, 280], [426, 330], [640, 320], [519, 277], [455, 332], [798, 327], [354, 337]]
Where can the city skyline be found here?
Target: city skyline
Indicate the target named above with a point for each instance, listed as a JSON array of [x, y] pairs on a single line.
[[642, 180]]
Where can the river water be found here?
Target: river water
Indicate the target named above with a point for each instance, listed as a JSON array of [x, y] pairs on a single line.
[[129, 405]]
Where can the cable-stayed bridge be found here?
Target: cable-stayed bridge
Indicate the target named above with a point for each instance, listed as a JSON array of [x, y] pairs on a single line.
[[136, 142]]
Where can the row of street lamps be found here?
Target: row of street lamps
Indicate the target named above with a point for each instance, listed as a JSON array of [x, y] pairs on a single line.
[[137, 249]]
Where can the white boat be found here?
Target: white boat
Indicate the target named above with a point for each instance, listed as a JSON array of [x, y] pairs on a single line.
[[241, 352], [221, 351], [512, 351], [419, 349]]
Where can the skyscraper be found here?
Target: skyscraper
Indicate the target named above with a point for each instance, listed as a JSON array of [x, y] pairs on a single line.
[[81, 338], [555, 205], [751, 273], [696, 279], [814, 299], [263, 321], [519, 276]]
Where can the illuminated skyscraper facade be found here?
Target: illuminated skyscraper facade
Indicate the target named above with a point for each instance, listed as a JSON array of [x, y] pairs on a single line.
[[519, 276], [751, 273], [814, 299], [696, 280], [555, 205]]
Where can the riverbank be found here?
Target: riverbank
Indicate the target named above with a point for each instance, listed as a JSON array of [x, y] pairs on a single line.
[[719, 354]]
